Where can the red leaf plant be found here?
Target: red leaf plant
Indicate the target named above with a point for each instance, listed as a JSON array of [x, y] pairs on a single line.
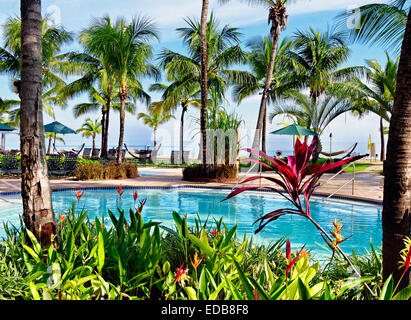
[[296, 177]]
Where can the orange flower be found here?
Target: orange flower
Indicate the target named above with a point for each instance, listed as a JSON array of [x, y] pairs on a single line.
[[119, 190], [196, 261], [62, 217], [304, 253], [338, 237], [79, 194]]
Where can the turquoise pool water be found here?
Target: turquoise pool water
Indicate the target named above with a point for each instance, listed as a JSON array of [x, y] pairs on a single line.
[[362, 221]]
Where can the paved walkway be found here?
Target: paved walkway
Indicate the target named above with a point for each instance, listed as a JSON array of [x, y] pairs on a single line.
[[368, 185]]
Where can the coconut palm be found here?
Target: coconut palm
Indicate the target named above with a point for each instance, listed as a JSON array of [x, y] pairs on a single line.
[[52, 136], [38, 214], [381, 24], [179, 94], [223, 51], [283, 78], [375, 95], [126, 47], [314, 115], [90, 128], [153, 120], [53, 39], [317, 57]]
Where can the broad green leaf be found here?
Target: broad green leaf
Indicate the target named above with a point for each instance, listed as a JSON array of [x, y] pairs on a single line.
[[36, 244], [34, 291], [387, 289], [101, 253], [191, 293], [404, 294], [246, 284]]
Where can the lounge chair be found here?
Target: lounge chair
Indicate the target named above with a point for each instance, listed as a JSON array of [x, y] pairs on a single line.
[[86, 153]]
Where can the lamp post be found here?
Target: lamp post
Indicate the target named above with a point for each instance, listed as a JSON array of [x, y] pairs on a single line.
[[331, 136]]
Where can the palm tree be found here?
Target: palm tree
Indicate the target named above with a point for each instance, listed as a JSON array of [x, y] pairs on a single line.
[[223, 51], [387, 25], [314, 115], [53, 38], [52, 136], [38, 214], [179, 93], [379, 24], [376, 95], [126, 47], [283, 78], [90, 128], [316, 59], [153, 120], [396, 206]]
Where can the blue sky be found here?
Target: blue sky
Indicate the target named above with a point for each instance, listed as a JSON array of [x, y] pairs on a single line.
[[168, 15]]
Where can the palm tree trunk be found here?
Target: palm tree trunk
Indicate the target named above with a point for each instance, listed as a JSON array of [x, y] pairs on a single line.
[[396, 218], [203, 81], [103, 130], [382, 154], [264, 132], [94, 142], [268, 80], [38, 213], [123, 96], [104, 133], [155, 136], [49, 147], [183, 110]]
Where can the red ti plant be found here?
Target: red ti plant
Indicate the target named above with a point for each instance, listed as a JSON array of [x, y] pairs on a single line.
[[296, 177]]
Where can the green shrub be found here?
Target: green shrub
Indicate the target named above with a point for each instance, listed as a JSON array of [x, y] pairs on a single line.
[[210, 173], [95, 170]]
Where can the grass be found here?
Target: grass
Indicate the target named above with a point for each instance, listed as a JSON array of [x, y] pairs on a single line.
[[358, 167]]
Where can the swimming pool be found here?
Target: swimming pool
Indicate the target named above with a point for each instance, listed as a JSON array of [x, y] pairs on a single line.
[[362, 221]]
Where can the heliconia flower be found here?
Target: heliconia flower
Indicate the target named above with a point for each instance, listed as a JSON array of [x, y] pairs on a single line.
[[214, 232], [62, 217], [296, 178], [135, 196], [290, 264], [406, 255], [196, 261], [336, 233], [181, 275], [288, 251], [304, 253], [255, 294], [79, 194], [119, 190]]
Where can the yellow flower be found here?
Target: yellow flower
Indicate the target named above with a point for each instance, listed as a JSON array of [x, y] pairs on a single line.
[[405, 254], [196, 261]]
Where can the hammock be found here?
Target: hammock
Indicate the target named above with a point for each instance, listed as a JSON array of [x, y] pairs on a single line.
[[348, 151]]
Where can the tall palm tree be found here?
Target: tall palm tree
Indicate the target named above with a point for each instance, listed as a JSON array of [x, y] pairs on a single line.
[[153, 120], [283, 78], [53, 38], [380, 24], [396, 220], [90, 128], [387, 25], [52, 136], [38, 214], [223, 51], [317, 57], [375, 95], [127, 47], [179, 94]]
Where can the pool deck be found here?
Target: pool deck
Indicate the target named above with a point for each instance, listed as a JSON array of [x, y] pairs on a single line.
[[368, 184]]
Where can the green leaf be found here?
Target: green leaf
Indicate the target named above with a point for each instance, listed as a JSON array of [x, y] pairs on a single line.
[[101, 253], [387, 289], [36, 245], [202, 243], [404, 294], [202, 282], [246, 284], [303, 290], [34, 291], [32, 253], [191, 293]]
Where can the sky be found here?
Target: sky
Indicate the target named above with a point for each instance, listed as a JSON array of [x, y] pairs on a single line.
[[75, 15]]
